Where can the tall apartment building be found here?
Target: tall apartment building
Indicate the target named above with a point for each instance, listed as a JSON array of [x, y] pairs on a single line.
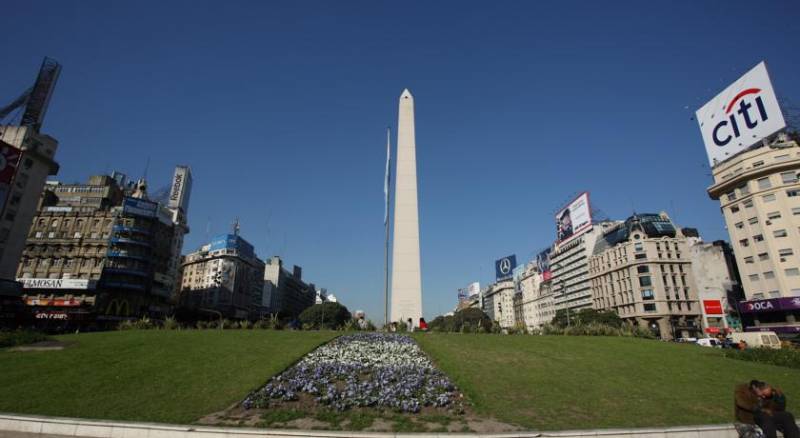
[[535, 298], [27, 159], [642, 270], [97, 253], [224, 278], [569, 264], [498, 302], [759, 196], [285, 293]]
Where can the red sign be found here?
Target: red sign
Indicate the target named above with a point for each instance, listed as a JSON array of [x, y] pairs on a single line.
[[56, 302], [712, 330], [712, 307]]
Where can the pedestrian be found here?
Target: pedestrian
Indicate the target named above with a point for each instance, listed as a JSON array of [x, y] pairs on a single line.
[[758, 403], [742, 345], [423, 326], [410, 325]]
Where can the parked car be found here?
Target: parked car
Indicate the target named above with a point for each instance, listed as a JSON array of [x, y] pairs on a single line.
[[757, 339], [686, 340], [709, 342]]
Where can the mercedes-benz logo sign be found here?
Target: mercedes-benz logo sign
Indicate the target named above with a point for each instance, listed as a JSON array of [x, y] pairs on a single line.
[[505, 266]]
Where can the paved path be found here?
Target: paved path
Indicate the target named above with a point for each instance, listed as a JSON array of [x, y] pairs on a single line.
[[29, 426]]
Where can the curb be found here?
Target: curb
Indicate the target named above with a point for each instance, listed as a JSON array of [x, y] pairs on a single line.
[[70, 427]]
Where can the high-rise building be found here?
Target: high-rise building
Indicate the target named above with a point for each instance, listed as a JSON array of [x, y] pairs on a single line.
[[96, 254], [641, 269], [406, 279], [759, 194], [27, 158], [498, 302], [569, 264], [285, 293], [224, 278]]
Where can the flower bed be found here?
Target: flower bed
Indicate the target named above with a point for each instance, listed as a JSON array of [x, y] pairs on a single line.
[[362, 370]]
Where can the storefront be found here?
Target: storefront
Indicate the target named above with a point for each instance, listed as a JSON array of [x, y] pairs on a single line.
[[780, 315]]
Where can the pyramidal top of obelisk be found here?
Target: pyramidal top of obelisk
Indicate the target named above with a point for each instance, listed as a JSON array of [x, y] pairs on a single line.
[[406, 278]]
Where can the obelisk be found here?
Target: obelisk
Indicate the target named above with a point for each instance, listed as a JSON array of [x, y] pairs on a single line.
[[406, 278]]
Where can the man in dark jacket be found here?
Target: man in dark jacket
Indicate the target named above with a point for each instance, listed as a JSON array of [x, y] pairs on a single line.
[[759, 403]]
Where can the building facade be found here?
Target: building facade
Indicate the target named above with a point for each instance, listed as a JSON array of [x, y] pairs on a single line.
[[96, 254], [498, 302], [641, 269], [224, 278], [759, 195], [28, 159], [285, 293], [718, 284]]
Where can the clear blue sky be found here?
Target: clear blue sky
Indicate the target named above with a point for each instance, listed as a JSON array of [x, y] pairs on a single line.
[[280, 109]]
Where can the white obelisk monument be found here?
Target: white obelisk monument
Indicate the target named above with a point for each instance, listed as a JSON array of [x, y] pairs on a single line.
[[406, 278]]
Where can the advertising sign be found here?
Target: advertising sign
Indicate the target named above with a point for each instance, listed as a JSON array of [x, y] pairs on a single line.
[[232, 241], [505, 266], [740, 116], [56, 283], [181, 188], [543, 263], [139, 207], [769, 305], [712, 307], [462, 294], [54, 302], [473, 289], [574, 219]]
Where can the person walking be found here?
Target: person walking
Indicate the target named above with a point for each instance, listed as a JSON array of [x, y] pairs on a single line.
[[758, 403]]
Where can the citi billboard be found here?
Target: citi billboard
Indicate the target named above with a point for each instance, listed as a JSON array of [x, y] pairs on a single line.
[[740, 116]]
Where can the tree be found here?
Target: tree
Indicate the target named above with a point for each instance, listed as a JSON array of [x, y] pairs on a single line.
[[325, 316], [472, 317], [585, 317]]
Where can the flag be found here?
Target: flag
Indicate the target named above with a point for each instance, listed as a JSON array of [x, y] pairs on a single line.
[[386, 182]]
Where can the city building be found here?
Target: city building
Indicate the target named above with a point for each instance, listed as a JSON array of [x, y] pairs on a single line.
[[498, 302], [641, 269], [224, 278], [719, 287], [96, 254], [569, 265], [537, 304], [759, 195], [285, 293], [323, 296]]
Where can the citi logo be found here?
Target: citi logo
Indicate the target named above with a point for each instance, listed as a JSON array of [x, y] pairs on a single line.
[[728, 129]]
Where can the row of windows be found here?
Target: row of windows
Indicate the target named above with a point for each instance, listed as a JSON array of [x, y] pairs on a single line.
[[760, 237], [768, 275], [67, 263], [771, 197], [765, 183]]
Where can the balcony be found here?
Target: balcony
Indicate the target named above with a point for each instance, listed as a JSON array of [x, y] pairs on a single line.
[[123, 240]]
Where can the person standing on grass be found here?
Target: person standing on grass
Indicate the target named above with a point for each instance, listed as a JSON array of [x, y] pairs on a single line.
[[760, 404]]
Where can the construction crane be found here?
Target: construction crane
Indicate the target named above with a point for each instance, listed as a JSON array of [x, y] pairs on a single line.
[[35, 99]]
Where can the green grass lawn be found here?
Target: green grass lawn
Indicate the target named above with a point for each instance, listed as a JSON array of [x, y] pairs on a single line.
[[566, 382], [156, 375]]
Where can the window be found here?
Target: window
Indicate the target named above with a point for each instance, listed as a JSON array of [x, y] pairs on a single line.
[[645, 281], [758, 163], [768, 198], [748, 260], [748, 203], [640, 256], [731, 196], [774, 215], [743, 189], [752, 221], [785, 252], [734, 209], [638, 246], [642, 269], [763, 256], [792, 193], [758, 238], [782, 157], [647, 294], [744, 242], [739, 225], [764, 184], [769, 275], [779, 233], [788, 177], [650, 307], [796, 211], [38, 235], [753, 277], [792, 272]]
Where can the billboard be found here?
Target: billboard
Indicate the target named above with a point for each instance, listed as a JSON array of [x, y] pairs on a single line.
[[770, 305], [543, 263], [712, 307], [56, 283], [139, 207], [473, 289], [574, 219], [740, 116], [504, 267], [232, 241], [181, 188]]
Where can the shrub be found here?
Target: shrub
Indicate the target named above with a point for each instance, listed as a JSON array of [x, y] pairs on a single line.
[[170, 323], [325, 316], [785, 357], [20, 337], [234, 325], [245, 325], [143, 324], [201, 325], [472, 317]]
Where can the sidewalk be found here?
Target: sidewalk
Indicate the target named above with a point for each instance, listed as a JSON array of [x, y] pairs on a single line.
[[29, 426]]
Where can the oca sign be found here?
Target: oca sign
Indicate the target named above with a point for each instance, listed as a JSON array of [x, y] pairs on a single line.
[[740, 116]]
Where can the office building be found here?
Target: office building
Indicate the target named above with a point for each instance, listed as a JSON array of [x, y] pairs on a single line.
[[285, 293], [224, 278], [759, 195], [498, 302], [641, 269]]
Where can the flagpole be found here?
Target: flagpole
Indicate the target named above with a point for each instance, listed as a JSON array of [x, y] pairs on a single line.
[[386, 242]]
